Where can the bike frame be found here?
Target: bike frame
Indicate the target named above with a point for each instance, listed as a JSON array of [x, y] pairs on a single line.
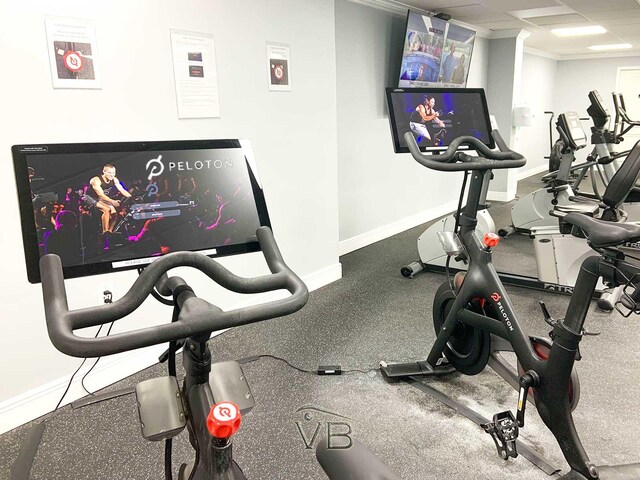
[[213, 457], [553, 374]]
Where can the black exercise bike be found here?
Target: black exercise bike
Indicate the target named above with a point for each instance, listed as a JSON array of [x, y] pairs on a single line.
[[212, 397], [474, 318]]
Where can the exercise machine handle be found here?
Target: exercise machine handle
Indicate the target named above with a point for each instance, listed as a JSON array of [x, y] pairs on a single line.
[[196, 315], [453, 161]]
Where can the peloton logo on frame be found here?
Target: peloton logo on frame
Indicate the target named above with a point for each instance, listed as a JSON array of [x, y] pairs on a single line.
[[496, 298]]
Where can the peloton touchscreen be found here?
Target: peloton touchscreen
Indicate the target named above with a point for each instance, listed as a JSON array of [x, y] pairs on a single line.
[[115, 206], [437, 116]]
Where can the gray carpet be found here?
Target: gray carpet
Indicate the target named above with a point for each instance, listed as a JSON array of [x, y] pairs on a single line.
[[372, 314]]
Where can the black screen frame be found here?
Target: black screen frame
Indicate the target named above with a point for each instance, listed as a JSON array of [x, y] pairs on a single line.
[[563, 124], [597, 111], [27, 219], [390, 91]]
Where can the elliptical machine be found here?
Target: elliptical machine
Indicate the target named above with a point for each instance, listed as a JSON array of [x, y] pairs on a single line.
[[474, 318], [533, 209]]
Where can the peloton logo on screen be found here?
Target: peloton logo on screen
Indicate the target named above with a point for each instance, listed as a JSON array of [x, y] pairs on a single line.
[[496, 298], [156, 167]]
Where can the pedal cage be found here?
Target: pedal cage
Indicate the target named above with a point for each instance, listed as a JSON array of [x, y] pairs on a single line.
[[504, 430]]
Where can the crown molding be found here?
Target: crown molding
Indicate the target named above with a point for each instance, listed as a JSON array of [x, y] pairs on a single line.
[[582, 56], [600, 55], [519, 33], [397, 7], [542, 53], [388, 6]]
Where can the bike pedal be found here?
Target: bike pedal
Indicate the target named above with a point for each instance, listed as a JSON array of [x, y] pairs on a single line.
[[504, 430]]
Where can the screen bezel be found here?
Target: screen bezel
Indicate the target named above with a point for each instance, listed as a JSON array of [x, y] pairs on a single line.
[[597, 111], [563, 124], [27, 218], [390, 91]]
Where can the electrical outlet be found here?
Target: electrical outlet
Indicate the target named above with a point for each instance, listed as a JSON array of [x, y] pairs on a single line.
[[105, 293]]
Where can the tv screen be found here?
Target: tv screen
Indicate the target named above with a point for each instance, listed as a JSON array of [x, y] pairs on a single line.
[[435, 53], [106, 207], [436, 116]]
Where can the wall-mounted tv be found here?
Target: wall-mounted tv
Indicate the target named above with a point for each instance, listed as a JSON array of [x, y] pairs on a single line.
[[105, 207], [435, 53], [436, 116]]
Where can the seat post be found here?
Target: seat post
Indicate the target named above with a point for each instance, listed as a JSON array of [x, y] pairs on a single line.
[[582, 293]]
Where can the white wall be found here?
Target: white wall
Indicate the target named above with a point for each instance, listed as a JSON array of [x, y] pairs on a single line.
[[381, 193], [537, 91], [293, 134], [478, 71], [576, 78]]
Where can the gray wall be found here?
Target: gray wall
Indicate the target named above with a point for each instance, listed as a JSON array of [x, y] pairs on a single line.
[[380, 192], [560, 86], [504, 67], [293, 135], [537, 90]]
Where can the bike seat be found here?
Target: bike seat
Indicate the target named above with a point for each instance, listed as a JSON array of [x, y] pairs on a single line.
[[601, 233], [581, 207]]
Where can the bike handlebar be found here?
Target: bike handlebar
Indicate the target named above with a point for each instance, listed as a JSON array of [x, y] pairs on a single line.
[[453, 161], [196, 315]]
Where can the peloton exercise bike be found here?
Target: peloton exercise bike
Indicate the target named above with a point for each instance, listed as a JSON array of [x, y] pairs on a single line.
[[211, 399], [556, 270], [558, 254], [474, 319]]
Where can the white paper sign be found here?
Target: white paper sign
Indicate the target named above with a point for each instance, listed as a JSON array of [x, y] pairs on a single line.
[[279, 66], [194, 70], [73, 53]]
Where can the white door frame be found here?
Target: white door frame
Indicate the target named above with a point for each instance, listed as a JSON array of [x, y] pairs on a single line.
[[620, 69]]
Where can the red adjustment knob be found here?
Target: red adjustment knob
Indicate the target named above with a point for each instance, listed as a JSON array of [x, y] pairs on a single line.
[[224, 420], [491, 239]]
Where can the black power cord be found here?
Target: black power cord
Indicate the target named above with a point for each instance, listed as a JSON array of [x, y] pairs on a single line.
[[302, 370], [78, 369]]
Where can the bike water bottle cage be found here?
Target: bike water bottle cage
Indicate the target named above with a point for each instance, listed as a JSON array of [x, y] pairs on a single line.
[[451, 160]]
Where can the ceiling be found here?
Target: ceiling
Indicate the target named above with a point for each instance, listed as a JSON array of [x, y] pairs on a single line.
[[621, 18]]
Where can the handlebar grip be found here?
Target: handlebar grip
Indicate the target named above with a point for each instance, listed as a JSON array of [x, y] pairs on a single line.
[[502, 145], [196, 317], [487, 159]]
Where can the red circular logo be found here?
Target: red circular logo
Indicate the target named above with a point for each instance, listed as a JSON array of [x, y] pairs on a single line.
[[225, 411], [73, 61], [279, 72]]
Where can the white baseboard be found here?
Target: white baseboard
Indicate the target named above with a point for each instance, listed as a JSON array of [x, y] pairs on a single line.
[[493, 196], [41, 400], [531, 171], [386, 231]]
